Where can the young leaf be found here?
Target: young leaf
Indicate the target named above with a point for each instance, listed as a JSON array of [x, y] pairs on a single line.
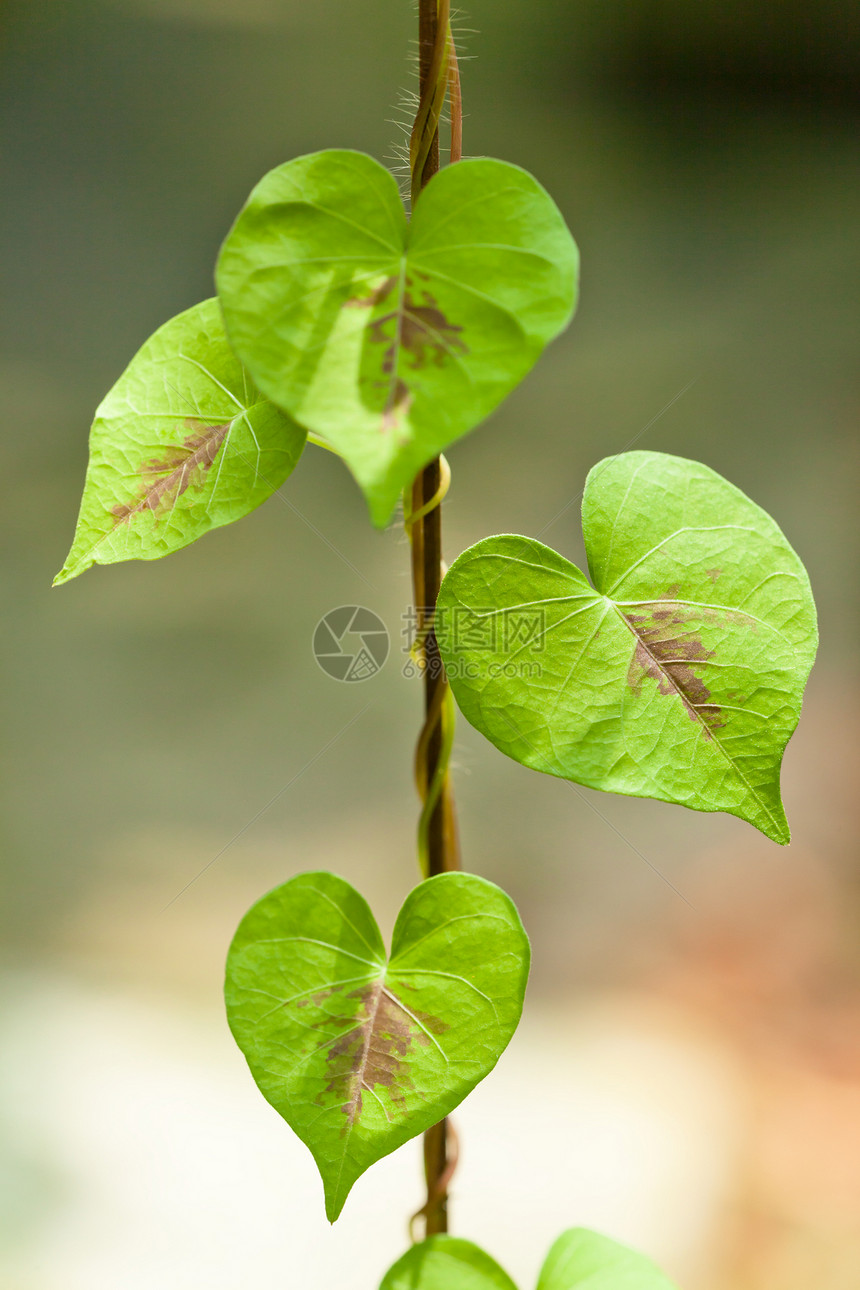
[[358, 1054], [679, 675], [182, 444], [446, 1263], [580, 1258], [393, 339]]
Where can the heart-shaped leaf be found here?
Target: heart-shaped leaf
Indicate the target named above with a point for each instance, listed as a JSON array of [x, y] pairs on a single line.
[[391, 338], [182, 444], [679, 675], [358, 1054], [579, 1260], [446, 1263]]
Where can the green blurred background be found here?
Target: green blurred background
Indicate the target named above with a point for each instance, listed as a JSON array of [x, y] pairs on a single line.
[[688, 1076]]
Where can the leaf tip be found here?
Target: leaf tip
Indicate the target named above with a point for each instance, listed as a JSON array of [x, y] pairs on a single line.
[[71, 569], [334, 1204], [781, 833], [65, 575], [775, 827], [381, 509]]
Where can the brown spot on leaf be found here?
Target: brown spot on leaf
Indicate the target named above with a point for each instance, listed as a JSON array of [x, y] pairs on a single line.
[[713, 574], [373, 1051], [314, 1000], [376, 296], [419, 328], [397, 405], [426, 333], [668, 656], [165, 479]]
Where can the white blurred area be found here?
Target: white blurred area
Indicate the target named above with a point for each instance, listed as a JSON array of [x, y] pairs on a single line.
[[138, 1152]]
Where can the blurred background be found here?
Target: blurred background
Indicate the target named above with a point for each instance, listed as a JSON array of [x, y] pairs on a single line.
[[687, 1076]]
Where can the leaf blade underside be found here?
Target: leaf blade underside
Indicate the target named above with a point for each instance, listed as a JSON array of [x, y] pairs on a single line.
[[359, 1052], [183, 443], [679, 675], [392, 339]]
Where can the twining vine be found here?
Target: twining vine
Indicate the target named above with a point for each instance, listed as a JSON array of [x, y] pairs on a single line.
[[438, 844], [330, 300]]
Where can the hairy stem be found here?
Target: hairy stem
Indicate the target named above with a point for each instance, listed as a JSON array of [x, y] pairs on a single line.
[[438, 833]]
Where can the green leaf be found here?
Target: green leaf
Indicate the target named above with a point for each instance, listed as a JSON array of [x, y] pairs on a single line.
[[182, 444], [679, 675], [579, 1260], [358, 1054], [446, 1263], [392, 339], [586, 1260]]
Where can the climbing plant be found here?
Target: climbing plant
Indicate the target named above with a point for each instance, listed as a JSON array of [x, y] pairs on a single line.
[[675, 672]]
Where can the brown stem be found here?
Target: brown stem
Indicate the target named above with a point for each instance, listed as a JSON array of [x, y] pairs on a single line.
[[455, 99], [428, 54], [427, 568]]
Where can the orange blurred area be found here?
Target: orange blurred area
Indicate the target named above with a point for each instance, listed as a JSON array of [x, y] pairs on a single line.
[[687, 1073]]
